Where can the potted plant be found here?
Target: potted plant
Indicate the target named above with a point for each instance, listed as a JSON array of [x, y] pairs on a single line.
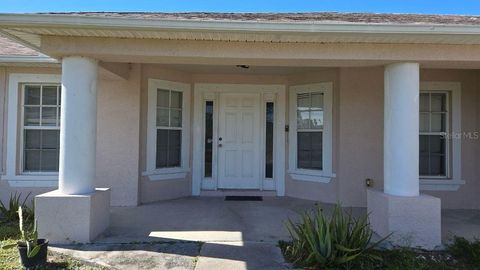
[[33, 251]]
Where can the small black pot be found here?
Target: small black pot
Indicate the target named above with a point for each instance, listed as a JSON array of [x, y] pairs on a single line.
[[39, 259]]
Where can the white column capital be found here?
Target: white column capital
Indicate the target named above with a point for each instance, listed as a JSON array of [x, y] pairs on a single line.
[[401, 129], [79, 57]]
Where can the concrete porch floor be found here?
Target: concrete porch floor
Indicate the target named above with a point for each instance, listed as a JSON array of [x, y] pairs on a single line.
[[236, 234], [209, 219]]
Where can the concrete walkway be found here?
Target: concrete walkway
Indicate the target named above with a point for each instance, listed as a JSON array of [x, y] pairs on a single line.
[[209, 233]]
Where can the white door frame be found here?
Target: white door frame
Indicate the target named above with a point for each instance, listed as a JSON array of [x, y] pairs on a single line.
[[209, 92]]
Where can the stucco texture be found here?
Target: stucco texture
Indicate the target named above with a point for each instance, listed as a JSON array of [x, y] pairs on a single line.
[[467, 195], [357, 132], [118, 130]]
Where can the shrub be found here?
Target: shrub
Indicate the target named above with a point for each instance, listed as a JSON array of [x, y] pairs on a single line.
[[10, 213], [466, 251], [336, 243]]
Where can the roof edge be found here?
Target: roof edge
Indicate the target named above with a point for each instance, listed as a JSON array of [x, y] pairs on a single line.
[[76, 21], [27, 59]]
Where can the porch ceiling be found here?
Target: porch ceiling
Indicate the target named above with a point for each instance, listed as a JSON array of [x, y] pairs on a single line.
[[235, 70]]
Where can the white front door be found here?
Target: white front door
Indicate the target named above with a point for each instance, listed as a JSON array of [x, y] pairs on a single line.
[[239, 141]]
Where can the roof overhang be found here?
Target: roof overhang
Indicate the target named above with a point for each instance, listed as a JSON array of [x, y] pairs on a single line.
[[27, 59], [28, 29]]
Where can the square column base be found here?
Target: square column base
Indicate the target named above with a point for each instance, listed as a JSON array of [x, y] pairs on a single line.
[[65, 219], [414, 221]]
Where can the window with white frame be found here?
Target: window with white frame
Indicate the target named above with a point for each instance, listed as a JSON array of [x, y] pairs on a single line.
[[310, 135], [441, 136], [40, 127], [309, 130], [33, 124], [434, 142], [168, 129]]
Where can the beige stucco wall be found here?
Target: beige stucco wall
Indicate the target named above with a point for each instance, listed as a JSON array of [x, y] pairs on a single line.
[[361, 134], [3, 92], [5, 189], [325, 192], [117, 134], [357, 133], [468, 195], [151, 191], [360, 123]]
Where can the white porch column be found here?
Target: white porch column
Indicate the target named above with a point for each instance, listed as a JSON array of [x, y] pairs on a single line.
[[77, 211], [78, 126], [401, 139], [412, 218]]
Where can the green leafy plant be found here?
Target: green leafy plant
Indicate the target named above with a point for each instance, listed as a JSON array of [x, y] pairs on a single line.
[[10, 213], [28, 239], [467, 251], [335, 243]]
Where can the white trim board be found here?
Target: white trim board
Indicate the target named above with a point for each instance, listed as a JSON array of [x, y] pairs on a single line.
[[12, 171], [210, 91]]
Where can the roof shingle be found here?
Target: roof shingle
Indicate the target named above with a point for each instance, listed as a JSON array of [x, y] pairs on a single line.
[[327, 17], [12, 48]]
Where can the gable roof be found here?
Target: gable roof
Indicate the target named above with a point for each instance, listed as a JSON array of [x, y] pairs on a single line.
[[11, 48], [332, 17], [12, 53]]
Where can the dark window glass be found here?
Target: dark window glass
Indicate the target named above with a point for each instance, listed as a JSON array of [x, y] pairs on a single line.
[[309, 130], [432, 155], [32, 95], [41, 109], [309, 150], [433, 128], [41, 150], [168, 148], [208, 138], [269, 118], [169, 108]]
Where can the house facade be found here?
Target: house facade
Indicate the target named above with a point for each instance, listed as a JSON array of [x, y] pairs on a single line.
[[121, 109]]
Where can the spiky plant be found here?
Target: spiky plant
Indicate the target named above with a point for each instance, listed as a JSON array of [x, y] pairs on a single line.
[[29, 239], [10, 213], [334, 243]]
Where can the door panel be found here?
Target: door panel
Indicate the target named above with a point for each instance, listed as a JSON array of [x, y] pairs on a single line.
[[239, 147]]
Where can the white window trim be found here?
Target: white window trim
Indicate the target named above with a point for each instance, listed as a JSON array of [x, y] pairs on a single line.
[[152, 172], [14, 174], [454, 180], [22, 129], [326, 174]]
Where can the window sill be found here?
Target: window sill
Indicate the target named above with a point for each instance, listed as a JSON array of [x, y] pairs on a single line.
[[441, 184], [311, 176], [32, 180], [166, 174]]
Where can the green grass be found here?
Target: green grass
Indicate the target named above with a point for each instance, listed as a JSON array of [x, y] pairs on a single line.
[[461, 254], [9, 259]]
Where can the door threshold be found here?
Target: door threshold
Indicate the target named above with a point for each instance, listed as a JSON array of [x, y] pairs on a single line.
[[238, 192]]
